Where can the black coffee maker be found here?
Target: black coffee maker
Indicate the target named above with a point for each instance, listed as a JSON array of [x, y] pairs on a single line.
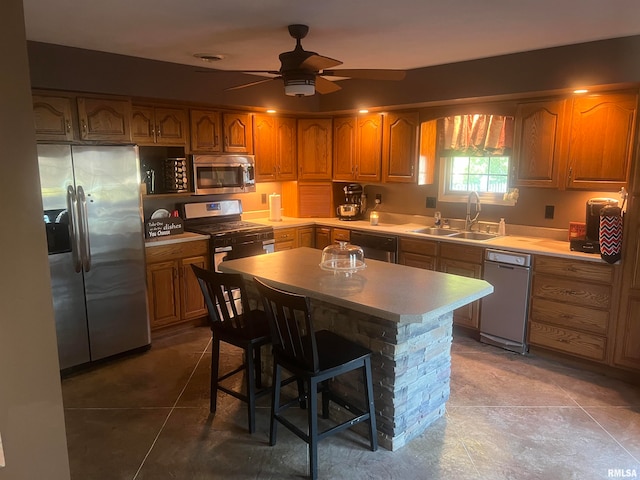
[[591, 241], [355, 203]]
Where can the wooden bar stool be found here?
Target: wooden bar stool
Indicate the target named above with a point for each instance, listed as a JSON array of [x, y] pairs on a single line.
[[315, 358], [233, 322]]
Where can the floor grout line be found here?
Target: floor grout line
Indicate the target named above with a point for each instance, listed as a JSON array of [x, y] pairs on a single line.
[[202, 354]]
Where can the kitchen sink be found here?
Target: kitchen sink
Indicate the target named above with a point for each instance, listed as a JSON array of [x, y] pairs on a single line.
[[474, 235], [436, 231]]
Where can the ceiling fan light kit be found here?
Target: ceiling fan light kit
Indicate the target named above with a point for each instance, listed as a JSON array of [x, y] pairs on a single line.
[[303, 85]]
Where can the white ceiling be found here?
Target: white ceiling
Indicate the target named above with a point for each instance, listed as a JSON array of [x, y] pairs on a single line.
[[402, 34]]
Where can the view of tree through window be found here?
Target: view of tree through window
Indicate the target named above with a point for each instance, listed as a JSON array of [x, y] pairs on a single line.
[[479, 174]]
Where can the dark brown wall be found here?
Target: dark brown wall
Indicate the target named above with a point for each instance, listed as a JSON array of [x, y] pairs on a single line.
[[594, 63]]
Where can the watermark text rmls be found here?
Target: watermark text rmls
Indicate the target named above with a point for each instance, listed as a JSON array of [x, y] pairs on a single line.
[[622, 473]]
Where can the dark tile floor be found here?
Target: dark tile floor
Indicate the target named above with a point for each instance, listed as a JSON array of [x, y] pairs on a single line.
[[509, 417]]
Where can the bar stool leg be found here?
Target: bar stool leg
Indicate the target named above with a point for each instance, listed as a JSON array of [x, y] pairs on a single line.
[[312, 412], [251, 387], [368, 381], [215, 362], [275, 403]]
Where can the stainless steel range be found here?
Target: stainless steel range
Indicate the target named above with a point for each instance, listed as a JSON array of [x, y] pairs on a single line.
[[231, 237]]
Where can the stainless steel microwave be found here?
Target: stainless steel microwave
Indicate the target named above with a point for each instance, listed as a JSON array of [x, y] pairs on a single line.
[[213, 174]]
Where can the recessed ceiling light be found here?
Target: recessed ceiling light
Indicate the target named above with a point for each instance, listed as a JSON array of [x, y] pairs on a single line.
[[208, 57], [581, 90], [271, 110], [363, 110]]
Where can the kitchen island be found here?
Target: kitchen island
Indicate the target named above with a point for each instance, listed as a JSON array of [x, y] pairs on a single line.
[[403, 314]]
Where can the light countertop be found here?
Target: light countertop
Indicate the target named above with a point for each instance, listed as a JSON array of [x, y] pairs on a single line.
[[382, 289], [524, 244], [179, 238]]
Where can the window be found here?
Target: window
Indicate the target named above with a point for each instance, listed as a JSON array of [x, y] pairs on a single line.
[[489, 176], [474, 157]]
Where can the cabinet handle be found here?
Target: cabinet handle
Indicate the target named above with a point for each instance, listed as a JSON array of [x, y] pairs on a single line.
[[153, 132], [175, 272], [68, 126], [84, 126], [215, 139], [569, 176], [159, 130], [226, 141]]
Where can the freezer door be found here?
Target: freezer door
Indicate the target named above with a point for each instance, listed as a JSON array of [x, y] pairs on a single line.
[[67, 290], [67, 287], [108, 179]]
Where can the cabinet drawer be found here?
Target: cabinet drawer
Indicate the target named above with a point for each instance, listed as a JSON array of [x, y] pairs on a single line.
[[568, 341], [422, 247], [284, 234], [463, 253], [340, 234], [570, 316], [594, 272], [417, 260], [571, 291], [176, 250]]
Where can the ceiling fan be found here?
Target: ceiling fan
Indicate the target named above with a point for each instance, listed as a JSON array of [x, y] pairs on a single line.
[[304, 72]]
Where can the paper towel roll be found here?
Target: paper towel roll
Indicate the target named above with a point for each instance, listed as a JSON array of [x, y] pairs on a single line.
[[275, 206]]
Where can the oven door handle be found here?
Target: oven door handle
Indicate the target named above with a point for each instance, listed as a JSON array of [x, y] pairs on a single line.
[[222, 249]]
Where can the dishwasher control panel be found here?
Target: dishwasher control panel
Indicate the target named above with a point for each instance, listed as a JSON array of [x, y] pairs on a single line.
[[510, 258]]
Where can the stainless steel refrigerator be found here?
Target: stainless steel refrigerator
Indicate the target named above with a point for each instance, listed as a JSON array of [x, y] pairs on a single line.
[[93, 217]]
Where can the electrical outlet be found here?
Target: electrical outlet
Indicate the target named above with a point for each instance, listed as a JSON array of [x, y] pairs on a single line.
[[431, 202], [378, 198], [263, 199], [549, 211]]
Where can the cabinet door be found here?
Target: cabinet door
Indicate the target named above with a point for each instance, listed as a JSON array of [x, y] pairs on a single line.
[[143, 130], [237, 132], [469, 315], [323, 237], [417, 260], [538, 143], [314, 149], [285, 239], [104, 119], [340, 234], [265, 144], [287, 162], [601, 141], [206, 136], [52, 118], [344, 148], [369, 148], [400, 147], [171, 126], [164, 293], [306, 237], [192, 302]]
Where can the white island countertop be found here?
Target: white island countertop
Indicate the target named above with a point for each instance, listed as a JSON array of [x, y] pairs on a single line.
[[386, 290]]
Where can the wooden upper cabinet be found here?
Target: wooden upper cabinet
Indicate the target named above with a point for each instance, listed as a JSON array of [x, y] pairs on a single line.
[[104, 119], [400, 147], [158, 125], [369, 148], [53, 118], [344, 148], [275, 148], [601, 141], [314, 148], [237, 132], [357, 148], [538, 143], [206, 135]]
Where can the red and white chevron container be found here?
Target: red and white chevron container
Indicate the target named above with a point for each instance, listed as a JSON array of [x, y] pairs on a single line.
[[610, 234]]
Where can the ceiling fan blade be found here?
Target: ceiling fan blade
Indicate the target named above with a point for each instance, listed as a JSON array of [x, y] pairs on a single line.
[[245, 85], [326, 86], [248, 72], [367, 74], [317, 62]]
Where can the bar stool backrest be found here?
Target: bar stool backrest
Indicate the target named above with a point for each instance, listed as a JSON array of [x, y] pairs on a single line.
[[292, 331]]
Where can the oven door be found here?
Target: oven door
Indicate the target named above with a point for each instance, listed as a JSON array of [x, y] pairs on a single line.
[[242, 250]]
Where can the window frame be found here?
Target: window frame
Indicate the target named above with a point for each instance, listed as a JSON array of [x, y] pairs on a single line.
[[487, 198]]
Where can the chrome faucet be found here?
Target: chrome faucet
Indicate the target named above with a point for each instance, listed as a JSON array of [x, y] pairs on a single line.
[[468, 222]]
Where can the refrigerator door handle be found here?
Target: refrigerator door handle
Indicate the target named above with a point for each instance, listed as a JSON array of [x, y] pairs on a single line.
[[74, 228], [84, 229]]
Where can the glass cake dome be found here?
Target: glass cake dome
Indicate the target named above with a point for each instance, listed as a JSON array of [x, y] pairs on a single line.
[[342, 257]]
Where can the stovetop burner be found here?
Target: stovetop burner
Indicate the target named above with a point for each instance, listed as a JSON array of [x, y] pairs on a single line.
[[226, 227]]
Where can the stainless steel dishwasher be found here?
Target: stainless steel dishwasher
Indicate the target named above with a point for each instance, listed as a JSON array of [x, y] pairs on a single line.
[[503, 316], [376, 247]]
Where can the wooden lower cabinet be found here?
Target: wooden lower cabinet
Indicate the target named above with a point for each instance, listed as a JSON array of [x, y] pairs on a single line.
[[173, 291], [286, 238], [464, 260], [572, 306], [418, 253], [306, 237]]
